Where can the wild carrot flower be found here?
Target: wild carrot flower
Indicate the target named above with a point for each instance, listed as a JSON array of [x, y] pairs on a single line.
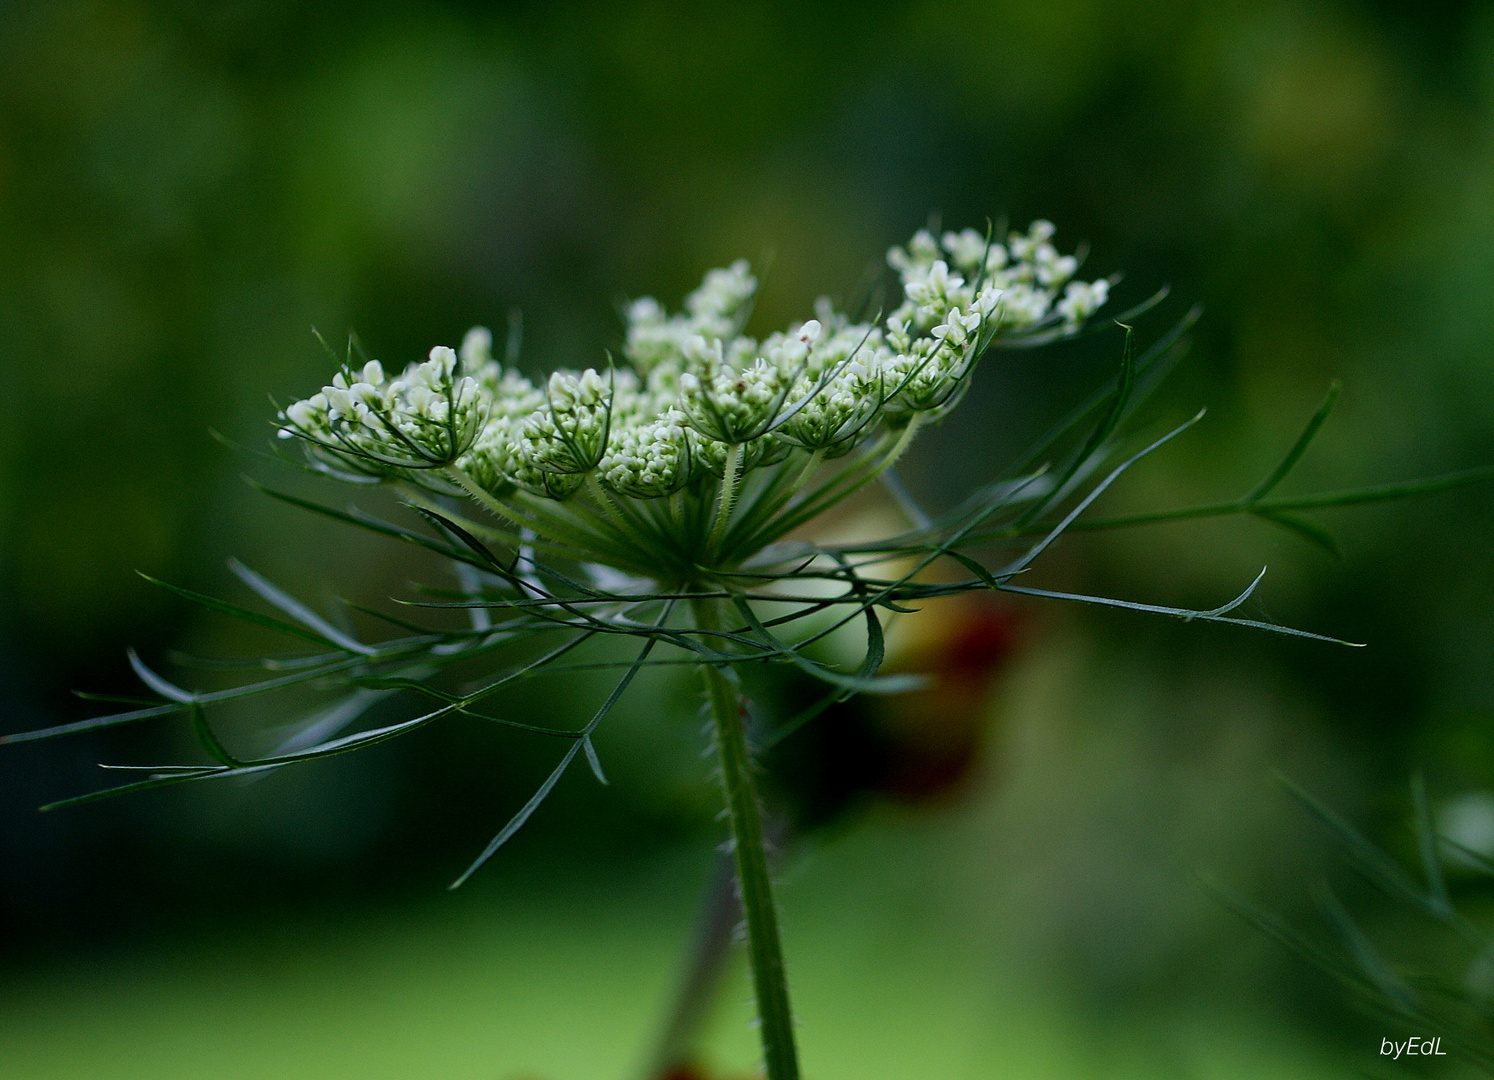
[[653, 500], [697, 456]]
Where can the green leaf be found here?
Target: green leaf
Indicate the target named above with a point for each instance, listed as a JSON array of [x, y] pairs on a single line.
[[1084, 504], [1156, 356], [116, 699], [1308, 530], [592, 759], [527, 810], [1383, 492], [1299, 448], [92, 724], [297, 610], [169, 691], [791, 654], [1186, 614], [1370, 962], [342, 745], [1124, 384], [209, 740], [1368, 859], [367, 521], [1225, 609], [165, 779], [975, 568], [489, 560], [1323, 500], [225, 608], [1284, 934], [328, 722]]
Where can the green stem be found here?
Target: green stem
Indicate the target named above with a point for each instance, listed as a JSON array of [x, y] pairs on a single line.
[[827, 496], [557, 530], [474, 489], [415, 497], [618, 517], [770, 499], [728, 497], [770, 982]]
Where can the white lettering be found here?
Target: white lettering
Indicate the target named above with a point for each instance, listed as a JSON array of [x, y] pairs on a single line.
[[1414, 1044]]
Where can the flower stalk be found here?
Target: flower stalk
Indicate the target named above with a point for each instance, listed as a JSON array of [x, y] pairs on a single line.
[[750, 854], [729, 478]]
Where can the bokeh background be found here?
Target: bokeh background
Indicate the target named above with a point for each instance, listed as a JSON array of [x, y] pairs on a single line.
[[186, 189]]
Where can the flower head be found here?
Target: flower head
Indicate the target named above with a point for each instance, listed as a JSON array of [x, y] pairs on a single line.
[[729, 405], [568, 434], [702, 412], [425, 419], [649, 460]]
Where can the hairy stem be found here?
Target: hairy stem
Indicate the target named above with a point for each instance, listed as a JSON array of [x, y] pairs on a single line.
[[475, 490], [749, 848], [558, 530], [827, 495], [727, 498], [616, 515]]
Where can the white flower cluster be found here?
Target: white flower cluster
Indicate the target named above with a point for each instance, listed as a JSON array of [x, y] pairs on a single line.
[[1028, 271], [425, 418], [700, 394]]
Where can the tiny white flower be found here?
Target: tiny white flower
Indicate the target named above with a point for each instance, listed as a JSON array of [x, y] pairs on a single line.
[[477, 349], [985, 302], [1024, 306], [569, 433], [646, 311], [1024, 246], [651, 460], [697, 386], [1081, 300], [966, 248], [730, 406], [922, 250], [722, 294]]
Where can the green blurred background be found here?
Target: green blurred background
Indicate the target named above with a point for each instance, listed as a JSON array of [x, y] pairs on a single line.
[[185, 189]]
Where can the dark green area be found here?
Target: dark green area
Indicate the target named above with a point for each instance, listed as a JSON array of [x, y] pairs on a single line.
[[185, 190]]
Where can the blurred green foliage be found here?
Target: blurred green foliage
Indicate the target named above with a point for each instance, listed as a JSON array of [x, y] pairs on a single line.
[[186, 188]]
